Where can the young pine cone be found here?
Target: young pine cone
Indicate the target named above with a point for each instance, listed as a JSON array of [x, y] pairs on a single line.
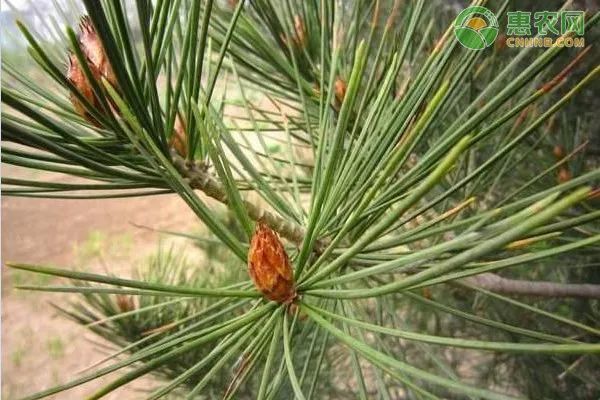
[[269, 266]]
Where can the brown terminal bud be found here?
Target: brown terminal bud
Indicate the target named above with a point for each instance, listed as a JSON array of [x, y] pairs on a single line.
[[564, 175], [179, 138], [99, 66], [125, 303], [77, 77], [269, 266], [300, 37], [558, 151], [94, 50], [339, 87]]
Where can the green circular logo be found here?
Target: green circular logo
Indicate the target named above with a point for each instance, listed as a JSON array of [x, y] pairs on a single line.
[[476, 27]]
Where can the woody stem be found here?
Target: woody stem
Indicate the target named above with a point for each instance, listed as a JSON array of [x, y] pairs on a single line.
[[202, 180], [497, 284]]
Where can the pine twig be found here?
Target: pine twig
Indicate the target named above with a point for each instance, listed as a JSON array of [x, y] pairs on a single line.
[[497, 284], [199, 178]]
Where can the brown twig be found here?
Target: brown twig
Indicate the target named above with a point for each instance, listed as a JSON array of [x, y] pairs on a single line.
[[199, 178], [497, 284]]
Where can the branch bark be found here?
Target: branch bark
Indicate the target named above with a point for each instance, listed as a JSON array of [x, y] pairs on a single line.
[[497, 284], [199, 178]]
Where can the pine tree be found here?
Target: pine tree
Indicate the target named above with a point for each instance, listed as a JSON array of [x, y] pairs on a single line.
[[404, 221]]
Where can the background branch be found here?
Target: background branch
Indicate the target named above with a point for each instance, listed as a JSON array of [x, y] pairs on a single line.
[[498, 284]]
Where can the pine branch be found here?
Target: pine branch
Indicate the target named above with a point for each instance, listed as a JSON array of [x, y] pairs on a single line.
[[199, 178], [498, 284]]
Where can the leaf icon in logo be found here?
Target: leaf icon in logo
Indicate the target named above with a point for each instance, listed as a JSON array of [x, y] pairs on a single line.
[[476, 28]]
